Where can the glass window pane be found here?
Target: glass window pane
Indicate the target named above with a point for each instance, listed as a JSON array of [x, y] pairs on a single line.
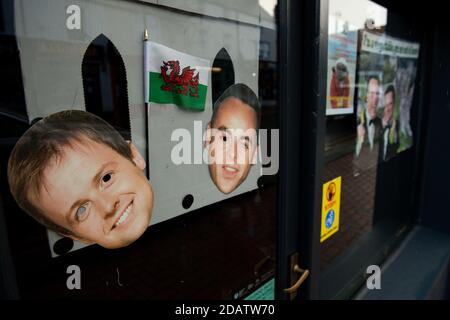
[[159, 75], [373, 61]]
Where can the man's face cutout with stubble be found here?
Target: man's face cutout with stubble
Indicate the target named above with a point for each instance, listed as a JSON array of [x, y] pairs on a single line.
[[232, 142]]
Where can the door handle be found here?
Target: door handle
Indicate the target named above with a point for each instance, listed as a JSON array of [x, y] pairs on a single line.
[[304, 275]]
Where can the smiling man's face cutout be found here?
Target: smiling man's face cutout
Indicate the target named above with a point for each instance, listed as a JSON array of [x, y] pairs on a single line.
[[76, 175], [97, 194], [232, 143]]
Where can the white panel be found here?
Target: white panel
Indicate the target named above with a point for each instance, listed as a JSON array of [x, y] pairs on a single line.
[[237, 10], [51, 58]]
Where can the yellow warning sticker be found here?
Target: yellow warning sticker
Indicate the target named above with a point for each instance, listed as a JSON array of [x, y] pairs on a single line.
[[331, 204]]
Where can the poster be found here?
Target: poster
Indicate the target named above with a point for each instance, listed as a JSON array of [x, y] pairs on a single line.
[[387, 72], [341, 72]]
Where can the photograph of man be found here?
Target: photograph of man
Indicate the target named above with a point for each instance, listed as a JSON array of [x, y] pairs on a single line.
[[340, 85], [369, 123], [368, 128], [232, 137], [76, 175], [389, 133]]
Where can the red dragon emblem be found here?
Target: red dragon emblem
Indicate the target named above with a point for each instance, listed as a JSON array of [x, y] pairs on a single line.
[[184, 83]]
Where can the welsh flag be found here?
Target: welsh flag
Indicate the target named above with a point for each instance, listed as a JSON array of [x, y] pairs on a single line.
[[174, 77]]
